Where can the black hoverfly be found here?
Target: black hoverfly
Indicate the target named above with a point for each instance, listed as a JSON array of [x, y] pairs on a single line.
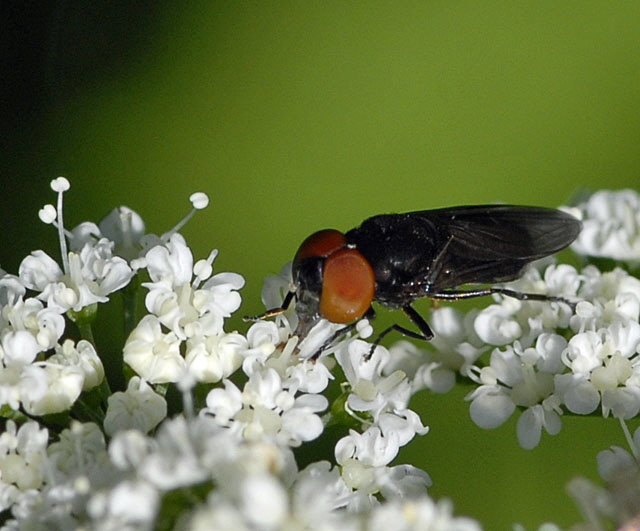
[[396, 259]]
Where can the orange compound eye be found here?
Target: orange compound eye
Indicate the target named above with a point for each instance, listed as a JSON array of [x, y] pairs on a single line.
[[320, 244], [348, 286]]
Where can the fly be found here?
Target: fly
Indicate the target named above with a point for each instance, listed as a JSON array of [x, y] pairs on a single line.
[[396, 259]]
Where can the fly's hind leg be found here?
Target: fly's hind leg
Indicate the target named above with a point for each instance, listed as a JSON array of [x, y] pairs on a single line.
[[483, 292]]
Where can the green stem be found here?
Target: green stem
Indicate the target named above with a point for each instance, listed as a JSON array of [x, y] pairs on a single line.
[[88, 412], [130, 305], [629, 437], [86, 332], [105, 389]]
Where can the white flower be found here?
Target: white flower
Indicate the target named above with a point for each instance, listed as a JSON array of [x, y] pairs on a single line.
[[19, 348], [38, 270], [607, 298], [265, 410], [516, 377], [50, 387], [455, 342], [184, 454], [512, 319], [496, 326], [225, 403], [364, 458], [317, 491], [531, 422], [47, 386], [139, 407], [262, 338], [80, 450], [317, 337], [264, 501], [190, 313], [384, 395], [611, 225], [184, 308], [371, 448], [454, 348], [220, 295], [22, 453], [215, 357], [85, 232], [372, 390], [130, 504], [402, 482], [152, 354], [11, 288], [603, 364], [231, 465], [171, 262], [219, 513], [29, 315], [491, 406], [84, 356], [81, 483], [616, 503], [405, 424], [90, 276], [252, 491], [10, 386], [100, 265], [128, 448], [298, 373], [542, 372], [125, 228], [616, 460], [418, 514], [421, 368], [305, 376], [46, 324]]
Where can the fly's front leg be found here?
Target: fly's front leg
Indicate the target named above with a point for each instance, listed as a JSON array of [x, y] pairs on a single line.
[[273, 311]]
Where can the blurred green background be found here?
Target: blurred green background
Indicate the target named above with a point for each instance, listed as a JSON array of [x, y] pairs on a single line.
[[295, 116]]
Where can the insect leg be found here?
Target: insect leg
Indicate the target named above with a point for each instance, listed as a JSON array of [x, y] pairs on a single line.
[[335, 336], [521, 296], [532, 296], [273, 311], [425, 330], [369, 314]]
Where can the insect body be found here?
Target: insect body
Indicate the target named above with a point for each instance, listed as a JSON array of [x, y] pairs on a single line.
[[396, 259]]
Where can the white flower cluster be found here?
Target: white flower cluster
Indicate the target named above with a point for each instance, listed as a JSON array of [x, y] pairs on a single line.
[[185, 316], [81, 482], [611, 226], [225, 463], [547, 359], [40, 371]]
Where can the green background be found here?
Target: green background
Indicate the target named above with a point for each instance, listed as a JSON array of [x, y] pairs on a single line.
[[296, 116]]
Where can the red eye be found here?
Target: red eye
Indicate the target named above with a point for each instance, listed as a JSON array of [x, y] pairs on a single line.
[[320, 244], [348, 286]]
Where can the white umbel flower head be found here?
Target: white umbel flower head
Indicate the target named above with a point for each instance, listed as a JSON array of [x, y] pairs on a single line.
[[611, 225]]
